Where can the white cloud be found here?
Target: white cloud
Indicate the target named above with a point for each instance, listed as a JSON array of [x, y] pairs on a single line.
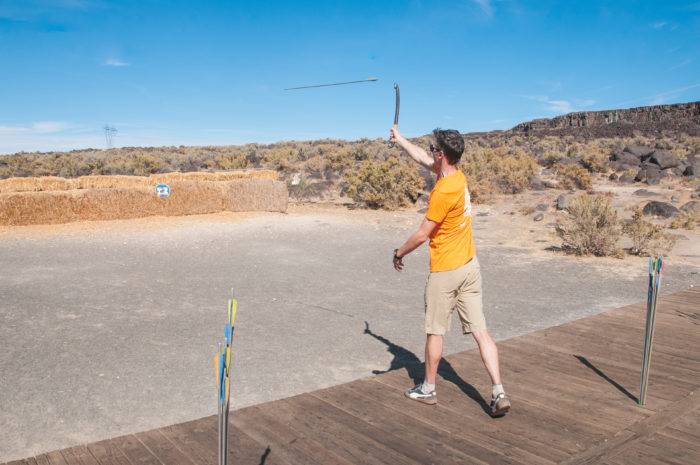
[[556, 106], [115, 62], [39, 127], [485, 6], [659, 24], [683, 63]]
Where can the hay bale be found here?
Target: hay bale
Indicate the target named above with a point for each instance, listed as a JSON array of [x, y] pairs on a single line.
[[109, 182], [187, 198], [108, 203], [53, 183], [257, 195], [44, 183]]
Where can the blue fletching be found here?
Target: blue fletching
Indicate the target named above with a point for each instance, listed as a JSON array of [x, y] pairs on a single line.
[[222, 361], [227, 334]]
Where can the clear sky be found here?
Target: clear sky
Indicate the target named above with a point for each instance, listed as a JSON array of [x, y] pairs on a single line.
[[205, 72]]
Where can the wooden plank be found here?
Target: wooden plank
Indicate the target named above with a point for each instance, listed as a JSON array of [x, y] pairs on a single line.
[[163, 449], [667, 388], [640, 454], [461, 418], [353, 439], [56, 458], [411, 436], [554, 340], [524, 422], [107, 453], [79, 455], [135, 451], [636, 433], [292, 446], [196, 439], [243, 449], [540, 388]]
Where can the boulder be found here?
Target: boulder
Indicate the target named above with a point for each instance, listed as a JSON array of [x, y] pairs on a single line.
[[692, 207], [674, 199], [543, 207], [662, 209], [649, 173], [693, 165], [536, 184], [664, 159], [626, 158], [639, 151], [538, 217], [645, 193], [613, 177], [622, 166], [627, 178], [562, 202]]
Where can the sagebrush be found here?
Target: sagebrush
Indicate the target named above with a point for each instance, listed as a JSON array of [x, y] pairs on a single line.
[[591, 227]]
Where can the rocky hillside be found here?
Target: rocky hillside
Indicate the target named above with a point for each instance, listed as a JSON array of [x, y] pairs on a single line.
[[652, 120]]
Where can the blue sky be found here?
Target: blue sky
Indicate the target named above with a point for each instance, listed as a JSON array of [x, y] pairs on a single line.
[[200, 73]]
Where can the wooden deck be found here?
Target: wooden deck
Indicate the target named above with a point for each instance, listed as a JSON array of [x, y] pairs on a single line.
[[573, 389]]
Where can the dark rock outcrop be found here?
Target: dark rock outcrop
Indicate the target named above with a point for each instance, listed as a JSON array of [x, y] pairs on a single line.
[[662, 209], [681, 117], [692, 207], [664, 159]]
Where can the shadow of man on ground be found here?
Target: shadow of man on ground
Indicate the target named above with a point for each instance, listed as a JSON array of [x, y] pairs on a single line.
[[404, 358]]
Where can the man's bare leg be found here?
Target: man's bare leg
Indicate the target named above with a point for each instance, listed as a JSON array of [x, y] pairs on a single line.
[[489, 354], [500, 404], [433, 354]]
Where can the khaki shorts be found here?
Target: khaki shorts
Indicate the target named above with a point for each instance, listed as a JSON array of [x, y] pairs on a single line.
[[458, 289]]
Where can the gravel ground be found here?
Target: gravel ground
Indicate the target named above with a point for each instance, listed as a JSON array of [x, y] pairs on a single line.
[[110, 328]]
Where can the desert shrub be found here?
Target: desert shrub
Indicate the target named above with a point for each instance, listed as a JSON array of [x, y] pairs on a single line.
[[231, 162], [591, 227], [573, 177], [594, 158], [501, 170], [686, 220], [647, 238], [388, 184]]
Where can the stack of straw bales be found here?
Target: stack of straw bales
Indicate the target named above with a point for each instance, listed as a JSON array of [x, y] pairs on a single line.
[[51, 200]]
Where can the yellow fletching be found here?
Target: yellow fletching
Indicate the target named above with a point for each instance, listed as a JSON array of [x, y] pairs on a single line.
[[228, 360], [234, 307]]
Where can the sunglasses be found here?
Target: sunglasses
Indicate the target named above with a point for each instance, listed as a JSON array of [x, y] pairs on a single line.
[[434, 149]]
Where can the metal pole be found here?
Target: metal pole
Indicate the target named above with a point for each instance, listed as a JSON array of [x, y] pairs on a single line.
[[655, 268]]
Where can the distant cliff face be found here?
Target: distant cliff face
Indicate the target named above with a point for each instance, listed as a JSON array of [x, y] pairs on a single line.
[[681, 117]]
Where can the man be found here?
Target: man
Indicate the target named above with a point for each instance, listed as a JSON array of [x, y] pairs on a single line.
[[454, 281]]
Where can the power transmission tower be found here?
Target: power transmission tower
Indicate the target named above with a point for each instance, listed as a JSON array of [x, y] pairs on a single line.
[[110, 132]]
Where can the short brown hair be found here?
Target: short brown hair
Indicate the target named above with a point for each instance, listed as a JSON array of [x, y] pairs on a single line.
[[451, 143]]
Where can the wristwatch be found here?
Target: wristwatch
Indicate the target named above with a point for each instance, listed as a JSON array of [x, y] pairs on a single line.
[[396, 256]]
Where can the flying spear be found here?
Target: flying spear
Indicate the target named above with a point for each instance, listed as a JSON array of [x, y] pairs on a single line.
[[369, 79]]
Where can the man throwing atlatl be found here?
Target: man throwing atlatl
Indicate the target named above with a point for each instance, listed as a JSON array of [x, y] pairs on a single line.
[[454, 281]]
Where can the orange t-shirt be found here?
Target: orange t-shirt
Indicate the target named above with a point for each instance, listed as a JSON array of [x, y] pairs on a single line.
[[451, 243]]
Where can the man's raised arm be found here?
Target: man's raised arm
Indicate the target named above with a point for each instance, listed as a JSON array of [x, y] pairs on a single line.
[[417, 153]]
